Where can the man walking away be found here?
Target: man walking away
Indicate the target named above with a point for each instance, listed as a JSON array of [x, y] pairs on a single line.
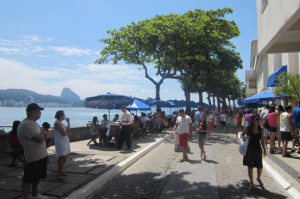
[[197, 119], [296, 116], [286, 128], [185, 129], [34, 145], [125, 131], [266, 131]]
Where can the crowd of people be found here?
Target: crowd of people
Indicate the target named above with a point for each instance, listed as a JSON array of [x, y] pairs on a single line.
[[274, 122]]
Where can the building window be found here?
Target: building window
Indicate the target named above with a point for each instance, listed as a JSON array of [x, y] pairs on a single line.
[[264, 4]]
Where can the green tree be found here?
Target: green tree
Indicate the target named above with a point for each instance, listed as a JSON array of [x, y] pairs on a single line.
[[179, 45], [288, 88]]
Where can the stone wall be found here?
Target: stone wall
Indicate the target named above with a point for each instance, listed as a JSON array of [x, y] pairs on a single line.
[[77, 133]]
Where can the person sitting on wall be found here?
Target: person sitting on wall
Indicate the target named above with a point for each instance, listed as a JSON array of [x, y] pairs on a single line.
[[13, 141]]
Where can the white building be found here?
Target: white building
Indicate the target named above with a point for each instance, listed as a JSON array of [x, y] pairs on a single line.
[[278, 44]]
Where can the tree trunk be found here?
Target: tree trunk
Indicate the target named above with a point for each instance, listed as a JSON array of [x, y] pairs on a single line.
[[157, 86], [200, 96], [233, 103], [208, 97], [218, 101], [187, 94], [214, 100], [224, 105], [229, 102]]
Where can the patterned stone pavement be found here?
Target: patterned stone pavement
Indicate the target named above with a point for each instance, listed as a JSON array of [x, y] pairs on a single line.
[[147, 177]]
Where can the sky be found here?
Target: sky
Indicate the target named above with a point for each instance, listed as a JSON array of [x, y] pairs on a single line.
[[46, 46]]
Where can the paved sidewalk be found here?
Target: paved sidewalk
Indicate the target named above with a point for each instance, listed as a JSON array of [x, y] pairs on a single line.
[[84, 164]]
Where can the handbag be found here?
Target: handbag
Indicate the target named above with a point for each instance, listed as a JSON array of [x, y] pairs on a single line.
[[243, 122], [243, 147], [266, 124]]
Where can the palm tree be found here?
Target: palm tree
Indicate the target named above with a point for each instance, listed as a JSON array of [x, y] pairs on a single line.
[[288, 88]]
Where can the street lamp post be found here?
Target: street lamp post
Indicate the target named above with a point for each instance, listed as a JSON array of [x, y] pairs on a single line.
[[241, 89]]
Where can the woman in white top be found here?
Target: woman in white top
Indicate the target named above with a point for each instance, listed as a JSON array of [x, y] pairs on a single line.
[[223, 119], [210, 119], [62, 142]]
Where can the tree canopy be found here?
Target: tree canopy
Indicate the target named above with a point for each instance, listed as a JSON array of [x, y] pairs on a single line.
[[194, 48]]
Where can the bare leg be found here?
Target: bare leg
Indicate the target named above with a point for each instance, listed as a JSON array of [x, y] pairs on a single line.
[[279, 140], [202, 152], [266, 142], [196, 135], [26, 188], [184, 153], [35, 189], [250, 174], [285, 143], [259, 172], [272, 140], [61, 163], [237, 132]]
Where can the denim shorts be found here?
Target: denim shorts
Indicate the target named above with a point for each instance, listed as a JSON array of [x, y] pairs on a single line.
[[202, 136]]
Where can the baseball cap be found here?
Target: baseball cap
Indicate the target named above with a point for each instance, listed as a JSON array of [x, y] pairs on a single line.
[[33, 107]]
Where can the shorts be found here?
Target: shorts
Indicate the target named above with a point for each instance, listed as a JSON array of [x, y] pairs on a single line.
[[273, 129], [266, 133], [223, 123], [183, 140], [211, 125], [194, 127], [239, 124], [286, 136], [34, 171], [202, 136]]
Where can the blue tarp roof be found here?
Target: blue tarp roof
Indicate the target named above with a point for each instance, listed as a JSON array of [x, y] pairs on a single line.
[[272, 78]]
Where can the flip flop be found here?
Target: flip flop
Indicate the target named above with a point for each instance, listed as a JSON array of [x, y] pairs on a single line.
[[60, 179], [64, 174]]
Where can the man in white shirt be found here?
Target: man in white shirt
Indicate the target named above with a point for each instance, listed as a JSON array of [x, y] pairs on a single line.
[[109, 124], [126, 122], [144, 118], [266, 131], [185, 129]]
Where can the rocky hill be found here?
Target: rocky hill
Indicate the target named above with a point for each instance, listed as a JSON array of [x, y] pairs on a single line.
[[69, 95], [22, 94]]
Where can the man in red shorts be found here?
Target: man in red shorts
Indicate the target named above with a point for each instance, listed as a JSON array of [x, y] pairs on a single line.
[[185, 129]]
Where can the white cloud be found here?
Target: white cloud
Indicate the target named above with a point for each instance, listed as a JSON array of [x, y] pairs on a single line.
[[21, 28], [32, 38], [146, 91], [115, 72], [49, 80], [9, 50], [70, 51], [166, 90]]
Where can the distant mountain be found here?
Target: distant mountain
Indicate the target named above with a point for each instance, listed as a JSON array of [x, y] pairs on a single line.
[[69, 95], [22, 94]]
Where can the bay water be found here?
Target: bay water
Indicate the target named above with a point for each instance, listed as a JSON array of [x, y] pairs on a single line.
[[78, 116]]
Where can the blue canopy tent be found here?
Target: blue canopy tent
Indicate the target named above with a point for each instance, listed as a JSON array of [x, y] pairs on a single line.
[[170, 104], [272, 82], [108, 101], [138, 106]]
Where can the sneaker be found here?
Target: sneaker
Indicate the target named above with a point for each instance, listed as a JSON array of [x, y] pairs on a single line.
[[39, 196], [195, 140]]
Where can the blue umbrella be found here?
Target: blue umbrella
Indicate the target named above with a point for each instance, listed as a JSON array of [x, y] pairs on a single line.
[[266, 95], [253, 105], [108, 101]]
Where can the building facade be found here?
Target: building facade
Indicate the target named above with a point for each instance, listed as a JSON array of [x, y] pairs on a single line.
[[278, 43]]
